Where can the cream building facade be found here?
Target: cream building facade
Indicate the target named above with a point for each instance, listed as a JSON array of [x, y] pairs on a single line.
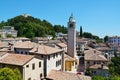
[[30, 67]]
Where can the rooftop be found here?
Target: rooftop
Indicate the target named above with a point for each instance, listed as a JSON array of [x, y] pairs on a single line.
[[59, 75], [45, 50], [62, 45], [94, 55], [26, 45], [16, 59]]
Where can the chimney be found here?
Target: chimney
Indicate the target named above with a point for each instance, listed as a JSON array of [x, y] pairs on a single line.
[[37, 49]]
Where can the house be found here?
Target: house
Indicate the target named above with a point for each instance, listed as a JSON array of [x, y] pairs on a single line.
[[52, 57], [114, 40], [59, 75], [23, 47], [99, 69], [8, 30], [30, 66], [96, 61]]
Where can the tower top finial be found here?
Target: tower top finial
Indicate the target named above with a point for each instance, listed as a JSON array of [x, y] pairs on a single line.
[[71, 19]]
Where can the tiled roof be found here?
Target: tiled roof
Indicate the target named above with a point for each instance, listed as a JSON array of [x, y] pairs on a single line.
[[62, 45], [97, 66], [103, 48], [102, 44], [45, 50], [41, 38], [25, 45], [95, 55], [2, 53], [59, 75], [3, 44], [68, 58], [16, 59]]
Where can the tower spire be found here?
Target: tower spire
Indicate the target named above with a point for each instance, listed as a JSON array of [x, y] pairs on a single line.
[[71, 19]]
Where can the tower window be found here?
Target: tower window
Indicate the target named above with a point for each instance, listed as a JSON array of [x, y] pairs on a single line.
[[71, 25]]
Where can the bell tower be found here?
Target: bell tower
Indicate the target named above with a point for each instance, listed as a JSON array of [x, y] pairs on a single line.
[[71, 48]]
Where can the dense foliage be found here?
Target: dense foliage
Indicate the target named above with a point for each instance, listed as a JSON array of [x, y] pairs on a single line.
[[105, 38], [33, 27], [91, 36], [106, 78], [114, 66], [114, 69], [9, 74]]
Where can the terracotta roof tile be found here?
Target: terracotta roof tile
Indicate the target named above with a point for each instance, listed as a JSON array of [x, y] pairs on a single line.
[[16, 59], [93, 54], [62, 45], [59, 75], [45, 50], [68, 58], [26, 44]]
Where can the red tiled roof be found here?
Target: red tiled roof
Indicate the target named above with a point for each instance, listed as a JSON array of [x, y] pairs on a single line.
[[16, 59], [59, 75], [93, 54], [45, 50]]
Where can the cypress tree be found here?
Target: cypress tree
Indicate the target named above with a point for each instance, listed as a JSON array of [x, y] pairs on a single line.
[[81, 32]]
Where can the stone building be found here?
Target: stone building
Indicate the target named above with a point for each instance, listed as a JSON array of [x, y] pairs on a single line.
[[8, 30]]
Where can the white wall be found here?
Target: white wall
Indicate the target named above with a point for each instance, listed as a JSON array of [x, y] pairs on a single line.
[[28, 72], [51, 63]]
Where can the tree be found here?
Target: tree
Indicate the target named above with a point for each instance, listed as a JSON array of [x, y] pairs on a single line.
[[9, 74], [114, 66], [18, 74], [87, 35], [105, 38], [98, 78], [88, 71], [81, 32], [37, 27], [8, 35]]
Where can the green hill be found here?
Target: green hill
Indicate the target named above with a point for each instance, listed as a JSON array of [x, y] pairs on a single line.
[[33, 27]]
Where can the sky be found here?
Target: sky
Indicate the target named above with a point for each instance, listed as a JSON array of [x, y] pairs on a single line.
[[99, 17]]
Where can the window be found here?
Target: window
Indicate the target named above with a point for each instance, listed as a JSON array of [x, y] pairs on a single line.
[[53, 55], [33, 66], [21, 52], [29, 78], [41, 56], [60, 62], [26, 53], [88, 62], [40, 75], [27, 66], [56, 54], [39, 64], [71, 25], [56, 63], [48, 57]]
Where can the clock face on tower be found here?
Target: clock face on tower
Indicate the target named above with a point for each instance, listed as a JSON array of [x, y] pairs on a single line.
[[71, 25]]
